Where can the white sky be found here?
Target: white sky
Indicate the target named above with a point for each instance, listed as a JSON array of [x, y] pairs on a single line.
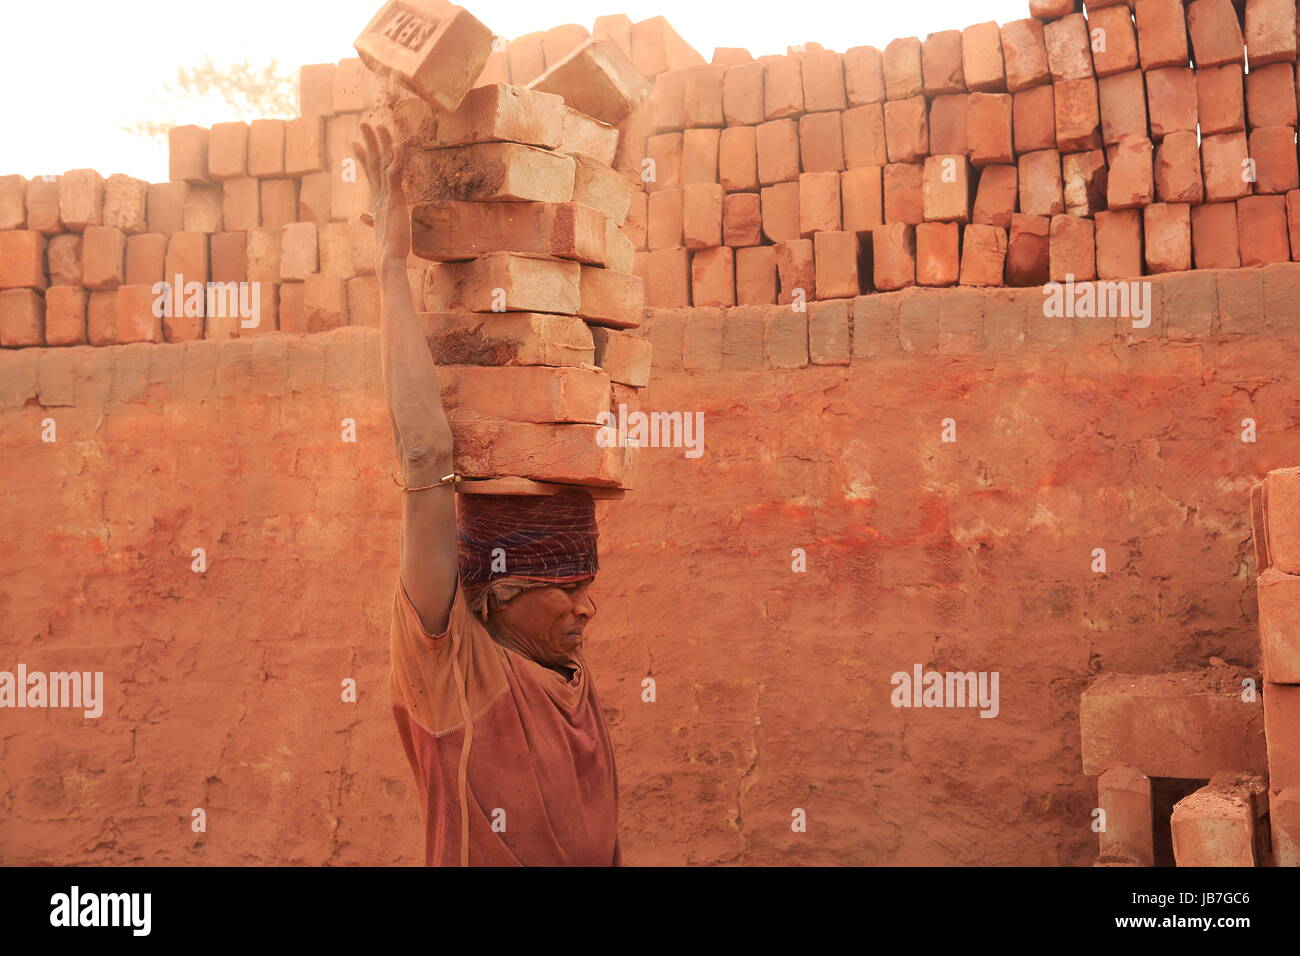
[[73, 73]]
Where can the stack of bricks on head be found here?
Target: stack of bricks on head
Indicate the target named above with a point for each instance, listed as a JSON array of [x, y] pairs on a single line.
[[520, 255]]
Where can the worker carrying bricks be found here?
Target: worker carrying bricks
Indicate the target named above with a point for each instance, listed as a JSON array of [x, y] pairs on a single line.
[[493, 699]]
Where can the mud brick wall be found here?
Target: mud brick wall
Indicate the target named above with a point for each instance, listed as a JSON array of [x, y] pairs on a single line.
[[823, 432]]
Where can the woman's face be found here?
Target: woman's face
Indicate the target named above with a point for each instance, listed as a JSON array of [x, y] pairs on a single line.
[[546, 624]]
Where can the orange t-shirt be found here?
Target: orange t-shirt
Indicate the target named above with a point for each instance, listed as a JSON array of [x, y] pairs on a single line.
[[539, 779]]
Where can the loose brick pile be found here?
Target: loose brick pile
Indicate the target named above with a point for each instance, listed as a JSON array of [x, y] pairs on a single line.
[[992, 155]]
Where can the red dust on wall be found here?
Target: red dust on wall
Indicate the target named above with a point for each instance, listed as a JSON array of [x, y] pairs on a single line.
[[772, 686]]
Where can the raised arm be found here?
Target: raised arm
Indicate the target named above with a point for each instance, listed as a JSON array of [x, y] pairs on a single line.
[[420, 430]]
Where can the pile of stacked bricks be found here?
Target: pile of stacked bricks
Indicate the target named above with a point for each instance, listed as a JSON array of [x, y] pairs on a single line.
[[1202, 768], [1275, 520], [1107, 143]]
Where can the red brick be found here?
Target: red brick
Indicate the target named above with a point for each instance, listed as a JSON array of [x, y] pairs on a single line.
[[316, 89], [1281, 720], [146, 258], [756, 275], [713, 280], [838, 261], [1162, 33], [1167, 234], [442, 68], [1279, 626], [1077, 115], [65, 315], [664, 222], [1040, 183], [1274, 150], [355, 86], [502, 280], [1178, 169], [666, 103], [262, 255], [612, 299], [503, 113], [1084, 179], [982, 59], [1270, 32], [862, 196], [1069, 48], [1262, 230], [984, 254], [988, 127], [188, 154], [703, 95], [103, 257], [241, 206], [948, 133], [638, 214], [1216, 33], [1024, 54], [1029, 250], [81, 199], [1220, 100], [1214, 236], [444, 231], [782, 88], [13, 202], [819, 203], [1130, 180], [941, 63], [125, 203], [1052, 9], [165, 207], [699, 157], [203, 204], [1124, 796], [863, 134], [228, 150], [101, 318], [738, 159], [1072, 249], [907, 129], [1217, 826], [823, 81], [596, 78], [22, 260], [136, 322], [742, 220], [278, 202], [742, 95], [42, 202], [780, 206], [946, 190], [1282, 516], [996, 198], [1122, 99], [63, 259], [229, 257], [902, 65], [864, 75], [937, 261], [821, 146], [665, 154], [796, 273], [1223, 164], [22, 318], [1034, 119], [588, 136], [778, 152], [893, 248], [1271, 96], [1119, 244], [299, 251], [903, 186], [702, 215], [1114, 50]]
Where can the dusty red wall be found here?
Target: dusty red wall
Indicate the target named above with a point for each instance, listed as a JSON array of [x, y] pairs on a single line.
[[773, 686]]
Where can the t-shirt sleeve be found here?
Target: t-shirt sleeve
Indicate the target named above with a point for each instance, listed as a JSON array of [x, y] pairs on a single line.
[[430, 671]]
